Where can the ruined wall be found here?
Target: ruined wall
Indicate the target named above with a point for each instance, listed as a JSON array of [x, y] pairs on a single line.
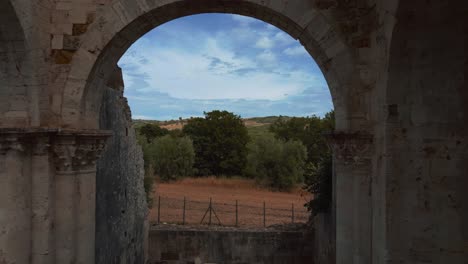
[[121, 210], [324, 239], [426, 154], [229, 246]]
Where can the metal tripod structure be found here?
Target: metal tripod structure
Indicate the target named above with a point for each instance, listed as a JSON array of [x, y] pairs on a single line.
[[210, 211]]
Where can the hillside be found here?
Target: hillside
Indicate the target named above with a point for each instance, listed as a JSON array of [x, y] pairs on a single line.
[[178, 124], [257, 126]]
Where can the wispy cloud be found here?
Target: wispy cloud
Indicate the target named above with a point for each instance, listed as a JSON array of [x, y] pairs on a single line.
[[187, 66], [244, 20], [295, 51], [264, 43]]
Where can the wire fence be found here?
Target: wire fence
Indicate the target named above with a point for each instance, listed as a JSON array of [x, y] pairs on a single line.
[[190, 212]]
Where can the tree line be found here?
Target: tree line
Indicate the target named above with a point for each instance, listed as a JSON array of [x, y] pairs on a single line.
[[292, 151]]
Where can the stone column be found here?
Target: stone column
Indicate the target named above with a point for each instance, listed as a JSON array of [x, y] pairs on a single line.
[[75, 156], [15, 199], [352, 154], [42, 199], [47, 195]]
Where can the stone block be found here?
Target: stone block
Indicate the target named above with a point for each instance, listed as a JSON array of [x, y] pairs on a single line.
[[71, 43], [57, 42], [63, 28], [63, 5]]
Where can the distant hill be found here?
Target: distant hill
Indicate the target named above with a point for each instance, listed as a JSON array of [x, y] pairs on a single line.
[[256, 126], [179, 124], [266, 119]]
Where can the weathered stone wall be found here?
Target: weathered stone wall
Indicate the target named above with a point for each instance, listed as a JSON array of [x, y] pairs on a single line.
[[121, 208], [324, 239], [396, 71], [229, 247], [427, 152]]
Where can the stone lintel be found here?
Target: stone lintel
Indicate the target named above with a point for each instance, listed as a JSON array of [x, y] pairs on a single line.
[[351, 147], [73, 150]]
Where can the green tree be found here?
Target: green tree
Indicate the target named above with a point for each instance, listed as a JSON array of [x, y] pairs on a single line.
[[176, 133], [309, 130], [276, 163], [289, 128], [318, 181], [171, 157], [318, 172], [152, 131], [220, 140]]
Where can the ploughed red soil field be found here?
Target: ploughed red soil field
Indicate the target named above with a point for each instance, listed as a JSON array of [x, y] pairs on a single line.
[[224, 193]]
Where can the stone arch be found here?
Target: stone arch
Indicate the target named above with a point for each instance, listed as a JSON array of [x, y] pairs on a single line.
[[117, 27], [12, 40], [12, 53], [323, 30]]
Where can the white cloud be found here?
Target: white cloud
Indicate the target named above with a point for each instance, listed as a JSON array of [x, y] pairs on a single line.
[[283, 38], [267, 57], [144, 117], [295, 51], [185, 69], [264, 43], [192, 75], [182, 75], [243, 20], [271, 27], [212, 68]]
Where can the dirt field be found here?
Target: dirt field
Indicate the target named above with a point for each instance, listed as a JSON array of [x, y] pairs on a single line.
[[224, 193], [180, 125]]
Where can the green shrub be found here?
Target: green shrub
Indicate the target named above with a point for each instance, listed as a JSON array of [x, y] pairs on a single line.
[[276, 163], [318, 181], [220, 140], [171, 157]]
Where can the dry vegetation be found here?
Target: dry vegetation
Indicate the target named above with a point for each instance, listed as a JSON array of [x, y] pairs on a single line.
[[224, 193], [180, 125]]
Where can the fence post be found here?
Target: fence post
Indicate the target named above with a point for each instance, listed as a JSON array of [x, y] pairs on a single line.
[[210, 208], [183, 215], [237, 219], [292, 213], [159, 209], [264, 214]]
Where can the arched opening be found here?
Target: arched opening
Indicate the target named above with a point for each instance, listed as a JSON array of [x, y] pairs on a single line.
[[212, 61], [106, 40], [277, 213], [209, 62], [96, 59]]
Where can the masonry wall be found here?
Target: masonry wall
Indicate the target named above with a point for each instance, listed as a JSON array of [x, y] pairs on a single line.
[[121, 209], [229, 247], [324, 237]]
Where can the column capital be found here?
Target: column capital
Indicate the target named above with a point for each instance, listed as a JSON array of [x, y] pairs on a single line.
[[78, 151], [72, 150], [33, 140], [351, 147]]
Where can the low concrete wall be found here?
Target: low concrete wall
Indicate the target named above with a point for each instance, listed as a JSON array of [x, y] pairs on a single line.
[[229, 246]]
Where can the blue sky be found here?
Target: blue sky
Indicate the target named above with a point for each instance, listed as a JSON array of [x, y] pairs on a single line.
[[225, 62]]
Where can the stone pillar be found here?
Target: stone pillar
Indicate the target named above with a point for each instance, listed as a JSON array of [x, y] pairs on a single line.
[[353, 167], [75, 156], [15, 199], [47, 195], [42, 200]]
